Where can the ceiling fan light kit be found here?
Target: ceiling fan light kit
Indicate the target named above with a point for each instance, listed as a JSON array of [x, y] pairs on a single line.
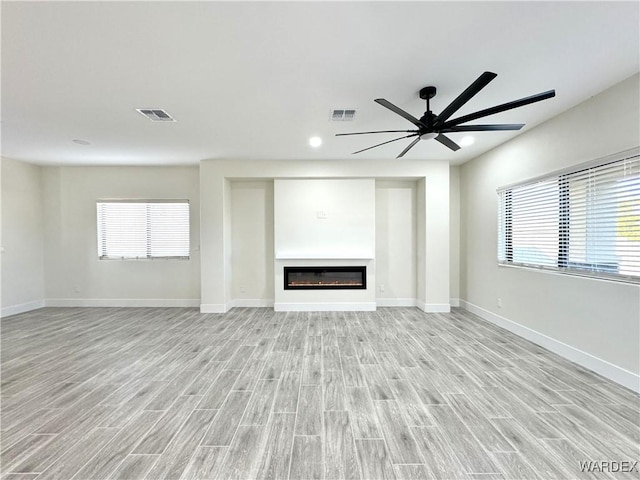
[[431, 126]]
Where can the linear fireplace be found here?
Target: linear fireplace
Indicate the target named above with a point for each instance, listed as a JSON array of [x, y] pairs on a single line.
[[325, 278]]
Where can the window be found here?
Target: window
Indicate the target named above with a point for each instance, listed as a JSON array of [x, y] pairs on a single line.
[[585, 221], [143, 229]]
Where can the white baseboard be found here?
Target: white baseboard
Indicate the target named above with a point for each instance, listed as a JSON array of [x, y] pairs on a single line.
[[325, 307], [396, 302], [252, 302], [215, 307], [433, 307], [455, 302], [608, 370], [122, 302], [21, 308]]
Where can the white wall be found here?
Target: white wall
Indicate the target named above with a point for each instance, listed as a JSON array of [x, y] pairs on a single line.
[[347, 226], [592, 321], [22, 237], [228, 247], [73, 273], [433, 207], [454, 234], [396, 242], [252, 243]]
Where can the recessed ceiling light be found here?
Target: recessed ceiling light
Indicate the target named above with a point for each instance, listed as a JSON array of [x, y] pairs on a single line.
[[315, 142], [80, 142], [466, 141]]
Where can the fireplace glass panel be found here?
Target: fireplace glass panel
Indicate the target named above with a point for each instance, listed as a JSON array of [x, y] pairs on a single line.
[[325, 278]]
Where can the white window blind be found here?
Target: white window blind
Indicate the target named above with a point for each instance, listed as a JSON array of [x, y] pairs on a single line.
[[143, 229], [583, 221]]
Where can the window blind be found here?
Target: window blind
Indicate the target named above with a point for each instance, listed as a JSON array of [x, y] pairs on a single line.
[[143, 229], [584, 221]]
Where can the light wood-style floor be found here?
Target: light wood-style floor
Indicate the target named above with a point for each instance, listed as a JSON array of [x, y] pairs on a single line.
[[161, 393]]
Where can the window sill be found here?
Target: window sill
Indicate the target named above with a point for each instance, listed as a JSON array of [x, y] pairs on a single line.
[[573, 273]]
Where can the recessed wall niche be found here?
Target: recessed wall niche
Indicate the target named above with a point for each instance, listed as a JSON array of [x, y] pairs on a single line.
[[219, 270]]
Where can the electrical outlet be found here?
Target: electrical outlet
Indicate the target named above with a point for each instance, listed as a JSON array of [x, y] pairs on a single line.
[[381, 287], [242, 290], [499, 302]]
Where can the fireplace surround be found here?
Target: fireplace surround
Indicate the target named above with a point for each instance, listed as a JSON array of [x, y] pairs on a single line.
[[325, 278]]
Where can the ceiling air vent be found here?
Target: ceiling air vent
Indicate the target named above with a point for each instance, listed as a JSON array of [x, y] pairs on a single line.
[[155, 114], [342, 115]]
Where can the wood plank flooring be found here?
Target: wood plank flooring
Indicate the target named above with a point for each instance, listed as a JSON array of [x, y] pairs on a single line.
[[170, 393]]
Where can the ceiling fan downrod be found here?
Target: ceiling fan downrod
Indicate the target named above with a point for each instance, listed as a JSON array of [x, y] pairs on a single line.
[[427, 93]]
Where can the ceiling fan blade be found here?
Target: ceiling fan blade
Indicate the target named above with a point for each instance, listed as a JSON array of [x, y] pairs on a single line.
[[409, 147], [384, 143], [447, 142], [379, 131], [481, 82], [483, 128], [400, 112], [500, 108]]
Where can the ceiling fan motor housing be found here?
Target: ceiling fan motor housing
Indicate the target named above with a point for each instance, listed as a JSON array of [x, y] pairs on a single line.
[[428, 119]]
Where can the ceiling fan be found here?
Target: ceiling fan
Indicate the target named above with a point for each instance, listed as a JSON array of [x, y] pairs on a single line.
[[435, 126]]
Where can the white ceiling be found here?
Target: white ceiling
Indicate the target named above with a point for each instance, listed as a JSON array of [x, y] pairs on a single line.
[[256, 80]]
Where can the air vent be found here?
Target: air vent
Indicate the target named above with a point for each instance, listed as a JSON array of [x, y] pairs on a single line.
[[156, 114], [342, 115]]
